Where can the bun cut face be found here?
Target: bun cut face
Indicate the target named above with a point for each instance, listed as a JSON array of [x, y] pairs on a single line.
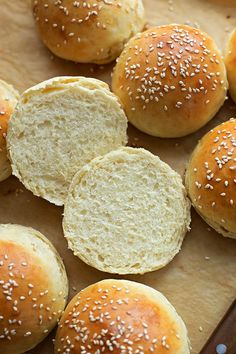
[[58, 127], [127, 212]]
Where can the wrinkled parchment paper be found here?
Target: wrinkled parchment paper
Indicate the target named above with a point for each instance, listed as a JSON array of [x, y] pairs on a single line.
[[200, 289]]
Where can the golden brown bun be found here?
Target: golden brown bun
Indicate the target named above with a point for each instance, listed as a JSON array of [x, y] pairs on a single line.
[[230, 62], [121, 316], [91, 31], [171, 80], [8, 99], [211, 178], [33, 288]]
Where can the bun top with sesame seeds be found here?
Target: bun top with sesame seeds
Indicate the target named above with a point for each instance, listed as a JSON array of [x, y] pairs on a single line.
[[33, 288], [8, 99], [121, 317], [88, 31], [171, 80], [211, 178]]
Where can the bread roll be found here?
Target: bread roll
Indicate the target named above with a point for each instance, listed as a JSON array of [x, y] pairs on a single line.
[[33, 288], [171, 80], [59, 126], [121, 316], [8, 100], [211, 178], [126, 212], [91, 31], [230, 61]]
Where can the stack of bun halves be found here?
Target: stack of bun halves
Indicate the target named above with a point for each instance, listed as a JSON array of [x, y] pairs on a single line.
[[126, 211]]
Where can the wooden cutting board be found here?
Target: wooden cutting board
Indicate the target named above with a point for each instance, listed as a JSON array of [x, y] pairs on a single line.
[[201, 281]]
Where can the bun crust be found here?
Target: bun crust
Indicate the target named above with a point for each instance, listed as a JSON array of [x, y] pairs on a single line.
[[8, 99], [120, 210], [121, 316], [211, 178], [58, 127], [91, 31], [32, 298], [230, 62], [171, 80]]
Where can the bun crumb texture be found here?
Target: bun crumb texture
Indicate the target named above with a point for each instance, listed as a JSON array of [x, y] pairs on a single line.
[[58, 126], [126, 212]]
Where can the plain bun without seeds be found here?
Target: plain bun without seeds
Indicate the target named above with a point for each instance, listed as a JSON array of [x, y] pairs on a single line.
[[91, 31], [8, 100], [33, 288], [171, 80], [120, 316], [58, 126], [126, 212], [230, 62], [211, 178]]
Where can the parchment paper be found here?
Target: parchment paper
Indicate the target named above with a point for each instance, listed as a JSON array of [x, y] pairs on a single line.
[[201, 290]]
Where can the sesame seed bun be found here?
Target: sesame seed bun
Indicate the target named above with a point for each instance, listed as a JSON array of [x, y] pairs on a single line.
[[33, 288], [91, 31], [211, 178], [127, 212], [8, 99], [171, 80], [58, 126], [230, 62], [121, 316]]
